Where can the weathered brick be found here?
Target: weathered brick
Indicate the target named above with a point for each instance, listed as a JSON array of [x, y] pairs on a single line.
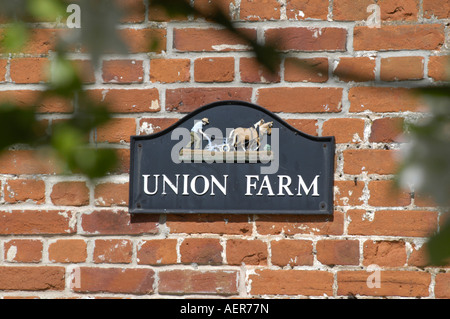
[[70, 194], [439, 9], [123, 71], [27, 162], [107, 222], [306, 126], [217, 282], [116, 130], [344, 130], [442, 286], [207, 8], [439, 68], [40, 41], [307, 39], [137, 281], [111, 194], [289, 100], [292, 252], [348, 10], [387, 130], [128, 101], [85, 70], [301, 10], [170, 70], [29, 70], [402, 68], [113, 251], [399, 37], [36, 222], [188, 99], [23, 250], [32, 278], [3, 65], [385, 193], [384, 253], [26, 98], [210, 224], [201, 251], [133, 11], [291, 225], [248, 252], [24, 190], [149, 126], [144, 40], [356, 69], [419, 256], [393, 283], [214, 69], [392, 223], [157, 252], [306, 70], [191, 39], [257, 10], [392, 10], [338, 252], [67, 251], [252, 71], [383, 99], [348, 193], [291, 282], [372, 161]]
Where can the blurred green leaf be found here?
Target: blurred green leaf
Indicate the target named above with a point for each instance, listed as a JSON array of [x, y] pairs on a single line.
[[439, 246], [46, 10], [15, 36]]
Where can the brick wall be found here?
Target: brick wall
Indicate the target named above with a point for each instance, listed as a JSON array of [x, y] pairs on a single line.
[[65, 236]]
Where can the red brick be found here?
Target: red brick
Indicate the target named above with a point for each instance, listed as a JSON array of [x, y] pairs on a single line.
[[32, 278], [399, 37], [299, 224], [70, 194], [36, 222], [157, 252], [384, 253], [68, 251], [117, 130], [85, 70], [291, 282], [301, 10], [344, 130], [383, 99], [158, 13], [438, 9], [27, 98], [306, 70], [349, 10], [307, 39], [209, 224], [123, 71], [29, 70], [128, 101], [439, 68], [107, 222], [116, 280], [292, 253], [348, 193], [338, 252], [40, 41], [214, 69], [419, 256], [257, 10], [188, 99], [170, 70], [133, 11], [306, 126], [371, 161], [3, 64], [201, 251], [27, 162], [23, 250], [384, 193], [191, 39], [392, 223], [387, 130], [289, 100], [442, 286], [123, 167], [392, 10], [393, 283], [217, 282], [401, 68], [207, 8], [149, 126], [144, 40], [253, 72], [113, 251], [357, 69], [248, 252], [24, 190], [111, 194]]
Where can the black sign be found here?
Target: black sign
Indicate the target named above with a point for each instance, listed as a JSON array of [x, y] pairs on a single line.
[[231, 157]]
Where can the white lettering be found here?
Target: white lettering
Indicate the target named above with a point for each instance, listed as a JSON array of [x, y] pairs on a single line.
[[265, 184], [314, 186], [249, 185], [194, 187], [214, 181], [166, 181], [146, 185], [284, 186]]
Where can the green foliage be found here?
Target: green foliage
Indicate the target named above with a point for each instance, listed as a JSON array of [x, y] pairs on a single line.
[[14, 37]]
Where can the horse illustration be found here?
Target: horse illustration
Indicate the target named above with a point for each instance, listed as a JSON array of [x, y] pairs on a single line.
[[250, 138]]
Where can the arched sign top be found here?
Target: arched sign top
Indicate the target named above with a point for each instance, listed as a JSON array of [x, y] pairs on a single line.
[[231, 157]]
